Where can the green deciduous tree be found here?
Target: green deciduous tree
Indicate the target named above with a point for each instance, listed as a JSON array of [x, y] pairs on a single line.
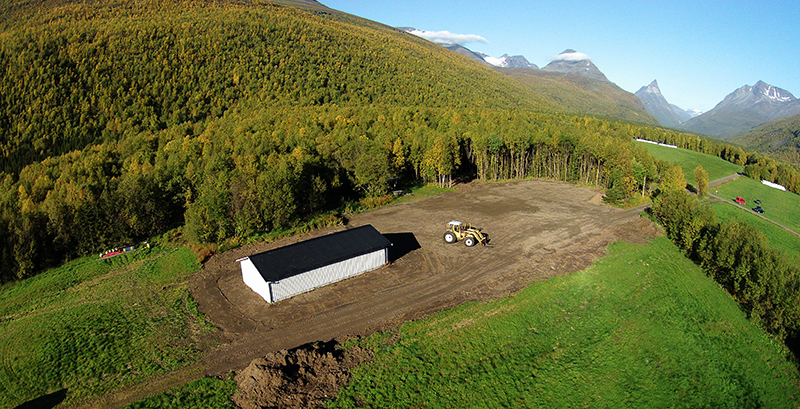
[[701, 178]]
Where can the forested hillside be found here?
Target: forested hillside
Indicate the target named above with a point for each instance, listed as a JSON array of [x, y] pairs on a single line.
[[123, 119], [780, 139], [578, 94]]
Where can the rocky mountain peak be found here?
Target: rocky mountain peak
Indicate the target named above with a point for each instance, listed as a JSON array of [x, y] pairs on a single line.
[[514, 61], [657, 105], [776, 94], [653, 88], [745, 108], [575, 63]]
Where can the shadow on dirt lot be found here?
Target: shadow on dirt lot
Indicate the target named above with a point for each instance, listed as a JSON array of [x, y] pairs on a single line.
[[402, 244]]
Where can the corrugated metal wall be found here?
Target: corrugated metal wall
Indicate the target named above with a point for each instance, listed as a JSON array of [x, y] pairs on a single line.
[[331, 273]]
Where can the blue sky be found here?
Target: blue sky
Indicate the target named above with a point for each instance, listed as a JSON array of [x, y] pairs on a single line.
[[699, 51]]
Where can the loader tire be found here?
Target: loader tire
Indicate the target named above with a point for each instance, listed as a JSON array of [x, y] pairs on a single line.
[[449, 237], [469, 241]]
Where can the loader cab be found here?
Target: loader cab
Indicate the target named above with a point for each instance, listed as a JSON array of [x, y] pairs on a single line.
[[455, 226]]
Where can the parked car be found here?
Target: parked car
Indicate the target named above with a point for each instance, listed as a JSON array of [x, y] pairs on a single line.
[[739, 200], [758, 209]]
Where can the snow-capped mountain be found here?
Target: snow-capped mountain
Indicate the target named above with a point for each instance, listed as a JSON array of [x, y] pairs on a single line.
[[479, 57], [506, 61], [573, 62], [657, 105], [685, 114], [744, 109]]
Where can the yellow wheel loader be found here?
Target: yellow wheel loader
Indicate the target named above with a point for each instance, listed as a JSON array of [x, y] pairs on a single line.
[[464, 231]]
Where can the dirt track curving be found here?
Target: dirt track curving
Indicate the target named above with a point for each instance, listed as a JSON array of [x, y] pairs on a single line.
[[538, 230]]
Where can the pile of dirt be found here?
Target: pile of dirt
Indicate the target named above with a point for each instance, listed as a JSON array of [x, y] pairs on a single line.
[[302, 377]]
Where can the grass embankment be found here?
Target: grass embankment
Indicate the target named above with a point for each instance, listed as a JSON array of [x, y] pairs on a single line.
[[643, 327], [778, 205], [688, 160], [778, 236], [94, 326]]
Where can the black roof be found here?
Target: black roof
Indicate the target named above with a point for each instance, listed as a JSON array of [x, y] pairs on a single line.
[[307, 255]]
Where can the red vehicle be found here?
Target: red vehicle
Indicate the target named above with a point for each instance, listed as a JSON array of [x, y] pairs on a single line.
[[739, 200]]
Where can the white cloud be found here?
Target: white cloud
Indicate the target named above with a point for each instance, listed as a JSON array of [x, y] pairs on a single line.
[[571, 57], [446, 37]]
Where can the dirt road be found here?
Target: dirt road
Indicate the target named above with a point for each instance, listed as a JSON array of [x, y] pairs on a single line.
[[539, 230]]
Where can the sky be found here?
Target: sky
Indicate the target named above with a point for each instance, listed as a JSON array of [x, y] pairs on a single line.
[[698, 51]]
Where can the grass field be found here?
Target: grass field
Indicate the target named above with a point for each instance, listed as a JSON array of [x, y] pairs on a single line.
[[688, 160], [643, 327], [93, 326], [206, 393], [778, 205], [778, 237]]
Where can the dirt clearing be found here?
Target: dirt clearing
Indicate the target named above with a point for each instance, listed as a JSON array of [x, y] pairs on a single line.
[[538, 230]]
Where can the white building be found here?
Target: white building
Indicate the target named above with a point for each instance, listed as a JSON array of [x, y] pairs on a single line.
[[294, 269]]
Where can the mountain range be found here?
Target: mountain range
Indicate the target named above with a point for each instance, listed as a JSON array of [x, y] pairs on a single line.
[[739, 112], [745, 109], [570, 82]]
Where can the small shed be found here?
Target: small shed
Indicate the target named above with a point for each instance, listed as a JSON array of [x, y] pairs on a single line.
[[297, 268]]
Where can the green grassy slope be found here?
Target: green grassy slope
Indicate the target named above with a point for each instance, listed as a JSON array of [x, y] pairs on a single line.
[[778, 237], [779, 206], [93, 326], [688, 160], [643, 327]]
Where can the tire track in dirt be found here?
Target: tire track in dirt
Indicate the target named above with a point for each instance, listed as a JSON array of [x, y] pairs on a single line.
[[539, 229]]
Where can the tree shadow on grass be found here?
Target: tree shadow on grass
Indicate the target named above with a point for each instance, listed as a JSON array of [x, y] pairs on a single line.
[[402, 244], [45, 401]]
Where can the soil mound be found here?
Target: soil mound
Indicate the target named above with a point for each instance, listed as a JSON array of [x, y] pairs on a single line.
[[302, 377]]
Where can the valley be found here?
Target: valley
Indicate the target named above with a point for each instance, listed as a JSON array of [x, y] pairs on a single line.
[[216, 130]]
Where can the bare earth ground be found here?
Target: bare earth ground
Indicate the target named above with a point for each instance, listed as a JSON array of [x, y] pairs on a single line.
[[538, 230]]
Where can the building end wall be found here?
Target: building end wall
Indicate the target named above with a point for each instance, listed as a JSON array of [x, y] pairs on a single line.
[[252, 278]]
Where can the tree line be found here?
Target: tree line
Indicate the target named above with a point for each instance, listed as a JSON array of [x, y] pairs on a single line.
[[257, 170]]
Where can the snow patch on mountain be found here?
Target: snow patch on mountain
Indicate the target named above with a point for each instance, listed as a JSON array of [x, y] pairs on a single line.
[[497, 62], [775, 94]]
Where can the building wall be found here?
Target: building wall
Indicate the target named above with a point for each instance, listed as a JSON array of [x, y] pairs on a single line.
[[331, 273], [253, 279]]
